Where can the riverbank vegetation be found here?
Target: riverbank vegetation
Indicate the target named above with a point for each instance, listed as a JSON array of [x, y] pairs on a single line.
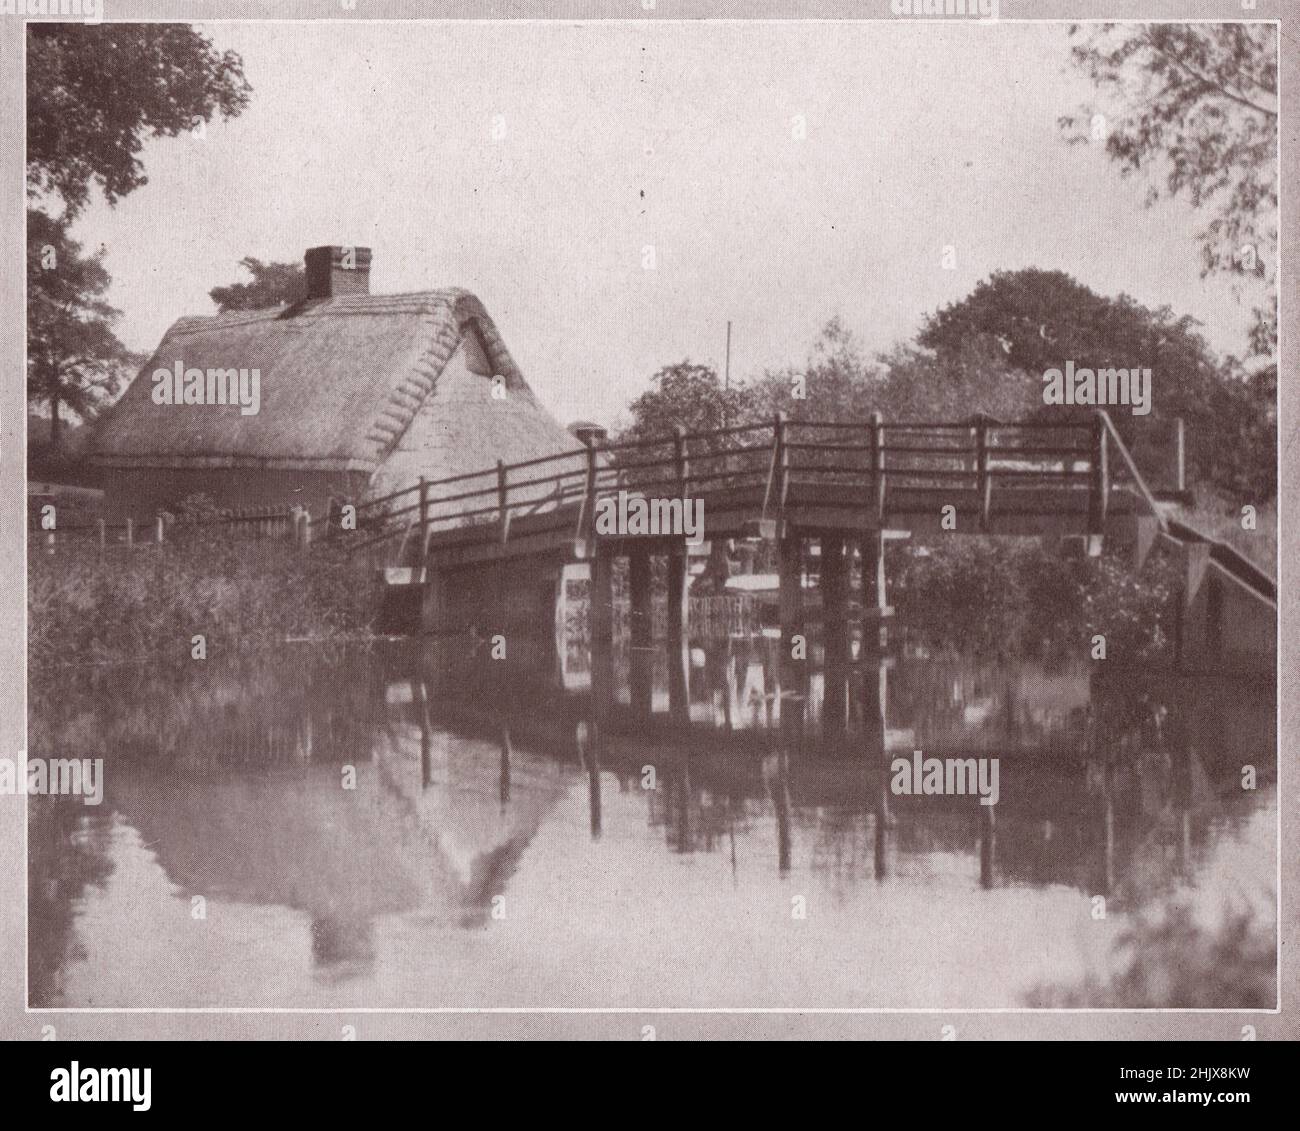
[[1014, 597], [92, 606]]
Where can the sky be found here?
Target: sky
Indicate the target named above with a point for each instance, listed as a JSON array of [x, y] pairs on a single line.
[[784, 173]]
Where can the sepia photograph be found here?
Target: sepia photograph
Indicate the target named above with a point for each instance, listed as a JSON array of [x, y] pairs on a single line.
[[631, 519]]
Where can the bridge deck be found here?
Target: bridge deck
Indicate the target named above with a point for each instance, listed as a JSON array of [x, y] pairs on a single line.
[[781, 478]]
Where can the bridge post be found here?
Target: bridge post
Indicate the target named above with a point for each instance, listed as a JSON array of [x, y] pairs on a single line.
[[423, 553], [835, 639], [982, 479], [435, 604], [875, 691], [878, 465], [874, 607], [601, 625], [1180, 458], [780, 791], [681, 461], [793, 672], [503, 510], [588, 736], [782, 462], [679, 656], [988, 844], [640, 625], [1099, 486]]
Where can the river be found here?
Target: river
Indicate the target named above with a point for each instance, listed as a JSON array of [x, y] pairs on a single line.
[[417, 825]]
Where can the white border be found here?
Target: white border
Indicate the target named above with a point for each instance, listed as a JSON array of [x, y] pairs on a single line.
[[968, 21]]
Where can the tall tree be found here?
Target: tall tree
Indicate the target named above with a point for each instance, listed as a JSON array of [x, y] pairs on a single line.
[[837, 382], [74, 359], [688, 395], [1194, 107], [272, 284], [96, 92], [1042, 319], [974, 378]]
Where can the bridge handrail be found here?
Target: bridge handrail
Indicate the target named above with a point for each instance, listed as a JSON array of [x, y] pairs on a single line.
[[594, 470], [1144, 492], [1229, 557]]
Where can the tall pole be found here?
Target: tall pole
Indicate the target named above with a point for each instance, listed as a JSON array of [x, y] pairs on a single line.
[[726, 370]]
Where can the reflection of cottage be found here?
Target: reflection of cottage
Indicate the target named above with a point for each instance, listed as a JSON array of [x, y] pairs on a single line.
[[358, 392]]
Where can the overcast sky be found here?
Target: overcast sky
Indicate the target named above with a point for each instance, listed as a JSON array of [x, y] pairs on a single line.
[[679, 136]]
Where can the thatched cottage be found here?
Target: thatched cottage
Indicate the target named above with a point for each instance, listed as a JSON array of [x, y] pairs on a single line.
[[357, 394]]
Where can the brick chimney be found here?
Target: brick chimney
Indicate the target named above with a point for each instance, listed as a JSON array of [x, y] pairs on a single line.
[[337, 270]]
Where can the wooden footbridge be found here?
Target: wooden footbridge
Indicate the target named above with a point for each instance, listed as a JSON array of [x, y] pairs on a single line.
[[486, 549], [768, 480]]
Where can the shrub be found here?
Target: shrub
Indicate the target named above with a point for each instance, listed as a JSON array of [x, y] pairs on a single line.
[[1005, 597]]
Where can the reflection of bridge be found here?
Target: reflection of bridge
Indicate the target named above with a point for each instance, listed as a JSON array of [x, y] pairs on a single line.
[[1084, 795], [487, 549]]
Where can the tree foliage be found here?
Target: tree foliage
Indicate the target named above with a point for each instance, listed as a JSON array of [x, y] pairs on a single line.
[[1197, 113], [96, 92], [272, 284], [975, 378], [687, 395], [74, 358], [837, 382], [909, 383], [1042, 319]]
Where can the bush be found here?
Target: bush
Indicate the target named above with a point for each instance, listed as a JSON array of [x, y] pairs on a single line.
[[1010, 597]]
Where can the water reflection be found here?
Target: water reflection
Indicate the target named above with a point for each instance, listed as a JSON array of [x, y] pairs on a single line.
[[409, 825]]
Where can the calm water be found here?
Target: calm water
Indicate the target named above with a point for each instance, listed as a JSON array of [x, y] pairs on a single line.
[[500, 849]]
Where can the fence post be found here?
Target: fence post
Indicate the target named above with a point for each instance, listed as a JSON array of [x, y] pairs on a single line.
[[878, 464], [503, 511], [589, 501], [1099, 493], [424, 523], [1181, 455], [782, 454], [130, 533], [983, 483]]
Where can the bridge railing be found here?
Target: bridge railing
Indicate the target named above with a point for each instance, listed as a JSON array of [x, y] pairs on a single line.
[[880, 461]]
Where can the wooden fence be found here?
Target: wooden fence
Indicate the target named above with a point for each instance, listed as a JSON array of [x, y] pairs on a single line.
[[276, 523]]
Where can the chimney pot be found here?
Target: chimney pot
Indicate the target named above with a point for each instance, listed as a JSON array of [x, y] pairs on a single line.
[[588, 433], [337, 269]]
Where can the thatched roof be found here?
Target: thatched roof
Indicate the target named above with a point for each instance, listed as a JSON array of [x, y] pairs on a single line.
[[341, 380]]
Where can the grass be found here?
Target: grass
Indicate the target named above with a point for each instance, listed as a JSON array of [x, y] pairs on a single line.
[[87, 606]]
